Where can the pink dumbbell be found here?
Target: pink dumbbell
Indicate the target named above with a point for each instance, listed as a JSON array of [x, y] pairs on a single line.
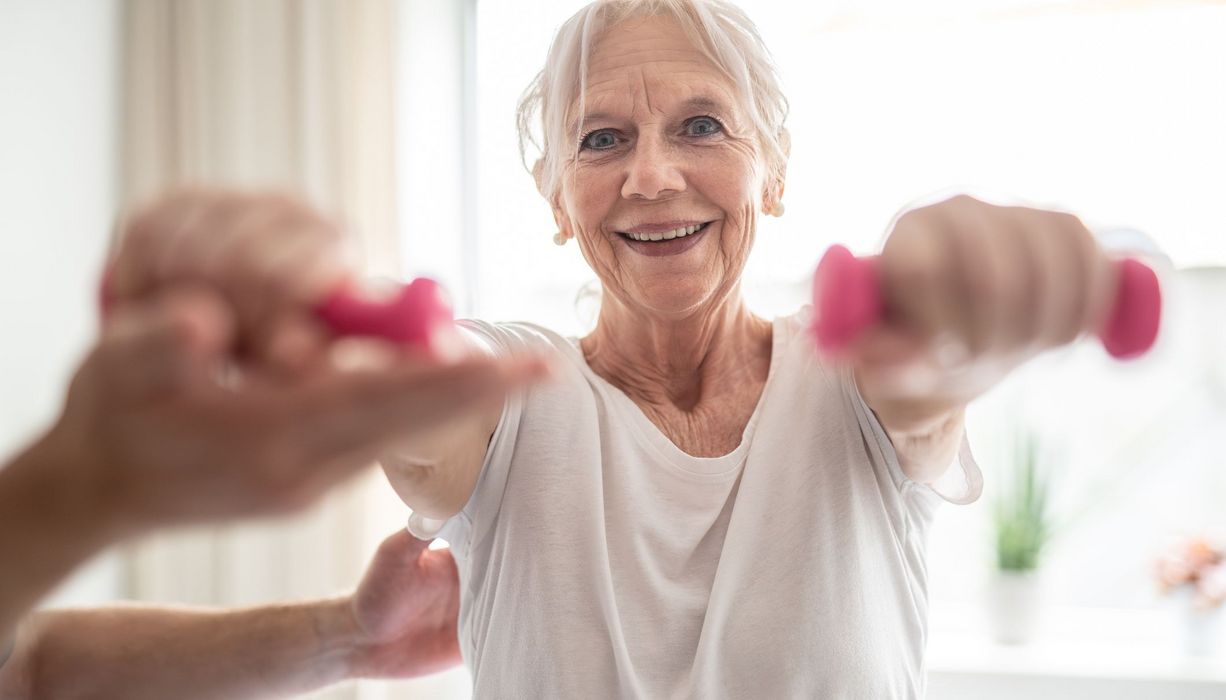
[[411, 316], [847, 301]]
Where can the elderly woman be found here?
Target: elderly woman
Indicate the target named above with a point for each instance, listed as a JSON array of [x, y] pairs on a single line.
[[698, 505]]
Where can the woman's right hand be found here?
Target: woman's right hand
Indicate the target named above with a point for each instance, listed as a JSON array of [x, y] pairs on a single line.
[[184, 410], [272, 256], [150, 435]]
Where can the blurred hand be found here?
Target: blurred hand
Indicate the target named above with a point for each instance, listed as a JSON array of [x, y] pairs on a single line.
[[271, 256], [407, 608], [972, 290], [159, 428]]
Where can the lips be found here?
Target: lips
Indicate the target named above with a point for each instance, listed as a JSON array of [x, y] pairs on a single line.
[[662, 232], [658, 245]]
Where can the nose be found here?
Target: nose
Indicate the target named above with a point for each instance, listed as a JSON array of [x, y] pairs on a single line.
[[653, 172]]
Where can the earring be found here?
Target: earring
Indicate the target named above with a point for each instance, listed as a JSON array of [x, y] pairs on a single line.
[[559, 238], [776, 209]]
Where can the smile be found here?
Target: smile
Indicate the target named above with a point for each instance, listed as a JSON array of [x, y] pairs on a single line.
[[672, 242], [666, 235]]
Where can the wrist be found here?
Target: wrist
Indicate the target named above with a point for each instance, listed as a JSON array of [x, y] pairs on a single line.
[[74, 492], [51, 527], [339, 637]]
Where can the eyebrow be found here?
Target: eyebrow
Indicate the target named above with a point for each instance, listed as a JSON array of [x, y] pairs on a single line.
[[706, 104]]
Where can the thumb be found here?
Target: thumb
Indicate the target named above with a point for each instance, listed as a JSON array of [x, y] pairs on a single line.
[[401, 546], [164, 343]]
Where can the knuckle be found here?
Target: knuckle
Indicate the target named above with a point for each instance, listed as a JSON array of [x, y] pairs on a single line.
[[178, 332], [913, 219], [1069, 222]]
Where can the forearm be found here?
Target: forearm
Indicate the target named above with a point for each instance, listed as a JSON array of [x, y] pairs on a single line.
[[150, 652], [925, 430], [925, 455], [51, 525]]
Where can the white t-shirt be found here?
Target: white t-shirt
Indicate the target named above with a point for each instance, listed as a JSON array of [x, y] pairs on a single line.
[[597, 559]]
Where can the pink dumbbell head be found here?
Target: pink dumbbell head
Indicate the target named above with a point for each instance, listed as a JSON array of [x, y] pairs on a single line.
[[847, 301], [412, 316]]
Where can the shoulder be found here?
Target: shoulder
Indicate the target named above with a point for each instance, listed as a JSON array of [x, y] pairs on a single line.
[[515, 337]]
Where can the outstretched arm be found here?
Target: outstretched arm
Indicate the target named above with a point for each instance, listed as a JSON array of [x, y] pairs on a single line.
[[400, 622], [972, 291]]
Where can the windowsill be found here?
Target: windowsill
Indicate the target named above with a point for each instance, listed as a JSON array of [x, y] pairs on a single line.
[[1082, 643]]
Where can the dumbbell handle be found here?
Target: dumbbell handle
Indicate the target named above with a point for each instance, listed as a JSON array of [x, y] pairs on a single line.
[[847, 300], [410, 317]]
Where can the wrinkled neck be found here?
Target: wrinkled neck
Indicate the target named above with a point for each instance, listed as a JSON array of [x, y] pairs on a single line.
[[678, 363]]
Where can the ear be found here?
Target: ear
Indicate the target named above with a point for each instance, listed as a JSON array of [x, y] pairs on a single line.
[[538, 176], [559, 216], [776, 182]]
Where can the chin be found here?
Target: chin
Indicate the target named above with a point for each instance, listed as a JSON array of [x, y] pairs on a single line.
[[674, 301]]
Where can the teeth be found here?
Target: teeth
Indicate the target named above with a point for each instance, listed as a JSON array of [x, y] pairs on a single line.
[[666, 236]]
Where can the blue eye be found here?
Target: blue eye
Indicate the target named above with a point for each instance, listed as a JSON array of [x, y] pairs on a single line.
[[703, 126], [601, 140]]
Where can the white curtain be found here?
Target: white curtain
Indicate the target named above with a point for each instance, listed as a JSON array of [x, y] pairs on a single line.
[[292, 95]]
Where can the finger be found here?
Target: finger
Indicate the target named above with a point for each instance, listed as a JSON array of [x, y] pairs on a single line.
[[1101, 283], [363, 412], [402, 546], [1064, 296], [292, 247], [184, 231], [912, 266], [1011, 315], [1018, 313], [305, 260], [155, 237], [218, 250], [296, 343], [287, 261], [969, 293], [166, 343]]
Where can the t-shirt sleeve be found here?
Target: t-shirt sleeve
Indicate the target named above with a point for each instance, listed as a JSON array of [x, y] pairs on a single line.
[[491, 483], [960, 484]]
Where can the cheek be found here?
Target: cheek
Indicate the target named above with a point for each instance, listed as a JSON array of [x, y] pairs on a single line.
[[589, 199], [736, 192], [733, 177]]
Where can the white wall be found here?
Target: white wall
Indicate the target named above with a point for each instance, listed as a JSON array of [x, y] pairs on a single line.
[[58, 172]]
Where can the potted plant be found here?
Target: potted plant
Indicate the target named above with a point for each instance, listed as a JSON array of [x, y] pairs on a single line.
[[1194, 571], [1021, 527]]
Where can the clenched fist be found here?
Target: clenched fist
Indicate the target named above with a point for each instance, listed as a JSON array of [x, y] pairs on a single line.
[[972, 290]]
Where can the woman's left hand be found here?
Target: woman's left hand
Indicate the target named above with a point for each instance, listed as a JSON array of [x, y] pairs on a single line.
[[407, 610], [972, 290]]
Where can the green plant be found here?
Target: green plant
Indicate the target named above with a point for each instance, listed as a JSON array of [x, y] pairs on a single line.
[[1020, 516]]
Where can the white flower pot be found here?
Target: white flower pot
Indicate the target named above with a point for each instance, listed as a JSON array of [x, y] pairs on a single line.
[[1198, 628], [1014, 602]]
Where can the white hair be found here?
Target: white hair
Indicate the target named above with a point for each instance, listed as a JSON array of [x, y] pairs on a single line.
[[721, 30]]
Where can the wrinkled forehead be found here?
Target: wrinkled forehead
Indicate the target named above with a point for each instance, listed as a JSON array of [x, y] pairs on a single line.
[[649, 65]]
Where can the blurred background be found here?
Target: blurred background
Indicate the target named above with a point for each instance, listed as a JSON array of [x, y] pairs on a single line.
[[1075, 576]]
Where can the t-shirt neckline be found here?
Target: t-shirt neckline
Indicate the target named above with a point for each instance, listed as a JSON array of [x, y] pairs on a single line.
[[650, 435]]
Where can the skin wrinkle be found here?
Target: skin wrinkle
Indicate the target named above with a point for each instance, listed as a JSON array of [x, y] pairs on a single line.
[[673, 332]]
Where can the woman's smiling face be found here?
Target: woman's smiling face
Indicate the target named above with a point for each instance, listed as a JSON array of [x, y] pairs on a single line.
[[666, 147]]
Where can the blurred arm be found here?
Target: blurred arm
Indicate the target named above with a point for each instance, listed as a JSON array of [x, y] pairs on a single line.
[[151, 652], [52, 523]]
